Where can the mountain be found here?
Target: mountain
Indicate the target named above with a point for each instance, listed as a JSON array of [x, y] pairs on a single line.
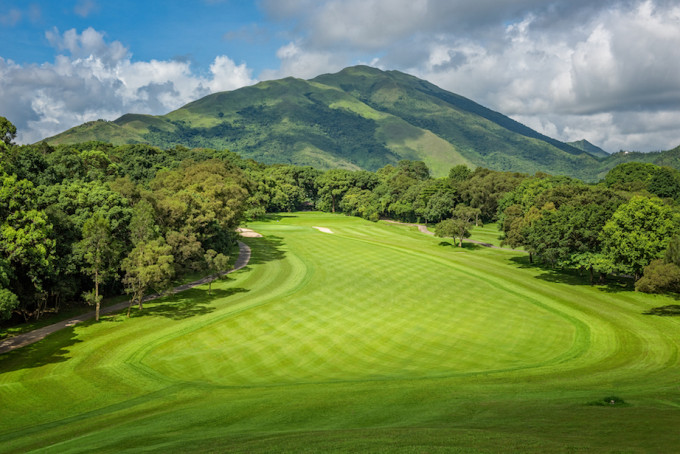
[[589, 148], [358, 118]]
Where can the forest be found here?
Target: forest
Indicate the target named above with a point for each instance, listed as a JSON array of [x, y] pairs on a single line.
[[85, 221]]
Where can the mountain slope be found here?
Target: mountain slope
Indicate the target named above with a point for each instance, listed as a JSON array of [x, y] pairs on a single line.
[[361, 117], [589, 148]]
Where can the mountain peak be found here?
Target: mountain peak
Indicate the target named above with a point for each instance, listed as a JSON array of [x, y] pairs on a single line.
[[359, 117], [589, 148]]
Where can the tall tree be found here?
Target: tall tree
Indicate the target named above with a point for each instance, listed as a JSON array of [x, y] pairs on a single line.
[[148, 266], [216, 264], [100, 252]]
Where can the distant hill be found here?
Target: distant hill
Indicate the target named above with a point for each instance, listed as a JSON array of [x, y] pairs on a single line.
[[358, 118], [589, 148]]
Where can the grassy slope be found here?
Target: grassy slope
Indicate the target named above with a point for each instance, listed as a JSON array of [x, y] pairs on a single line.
[[373, 339], [360, 117]]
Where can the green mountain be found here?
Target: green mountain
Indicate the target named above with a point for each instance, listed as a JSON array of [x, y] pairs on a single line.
[[359, 118], [589, 148]]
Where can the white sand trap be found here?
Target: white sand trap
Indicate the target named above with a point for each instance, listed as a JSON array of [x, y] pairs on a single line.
[[323, 229], [248, 233]]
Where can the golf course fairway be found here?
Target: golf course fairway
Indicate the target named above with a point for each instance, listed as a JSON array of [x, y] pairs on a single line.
[[343, 335]]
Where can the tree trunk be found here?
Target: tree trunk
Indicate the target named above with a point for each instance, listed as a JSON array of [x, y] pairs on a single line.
[[592, 277], [531, 257], [96, 294]]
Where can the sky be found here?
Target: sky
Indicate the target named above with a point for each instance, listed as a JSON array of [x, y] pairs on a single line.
[[607, 71]]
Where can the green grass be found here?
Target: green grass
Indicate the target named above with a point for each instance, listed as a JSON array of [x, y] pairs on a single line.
[[487, 233], [375, 338]]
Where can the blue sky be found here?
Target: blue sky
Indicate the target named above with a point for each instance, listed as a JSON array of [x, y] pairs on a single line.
[[606, 71], [161, 30]]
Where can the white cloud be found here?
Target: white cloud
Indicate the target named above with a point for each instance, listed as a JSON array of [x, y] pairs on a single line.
[[602, 69], [97, 79], [226, 75], [297, 62]]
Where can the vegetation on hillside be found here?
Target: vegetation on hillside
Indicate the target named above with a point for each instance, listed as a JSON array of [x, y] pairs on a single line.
[[361, 118]]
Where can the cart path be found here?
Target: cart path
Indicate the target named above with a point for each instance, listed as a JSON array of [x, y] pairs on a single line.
[[31, 337], [423, 229]]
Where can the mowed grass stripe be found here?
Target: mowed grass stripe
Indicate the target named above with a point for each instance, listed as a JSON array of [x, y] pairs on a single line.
[[375, 329], [383, 319]]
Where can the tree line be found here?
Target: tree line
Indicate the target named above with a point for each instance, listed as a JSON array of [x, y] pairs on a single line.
[[80, 221]]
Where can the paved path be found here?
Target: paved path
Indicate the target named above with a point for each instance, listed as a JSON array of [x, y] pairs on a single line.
[[30, 337]]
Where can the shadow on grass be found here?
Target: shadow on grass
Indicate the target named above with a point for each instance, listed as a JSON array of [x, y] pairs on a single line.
[[672, 310], [276, 217], [186, 304], [466, 246], [612, 284], [53, 349], [266, 249]]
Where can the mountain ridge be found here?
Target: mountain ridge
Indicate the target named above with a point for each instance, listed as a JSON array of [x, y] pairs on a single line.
[[358, 118]]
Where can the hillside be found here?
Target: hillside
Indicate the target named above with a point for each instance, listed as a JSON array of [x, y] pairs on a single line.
[[358, 118], [589, 148]]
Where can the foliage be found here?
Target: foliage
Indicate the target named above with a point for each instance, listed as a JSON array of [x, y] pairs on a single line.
[[638, 232], [351, 120], [7, 132], [659, 277], [100, 252], [216, 264], [147, 266]]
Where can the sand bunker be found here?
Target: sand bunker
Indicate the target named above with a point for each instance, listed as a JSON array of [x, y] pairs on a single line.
[[248, 233], [323, 229]]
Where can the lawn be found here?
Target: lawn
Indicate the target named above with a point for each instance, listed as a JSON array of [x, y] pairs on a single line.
[[373, 338]]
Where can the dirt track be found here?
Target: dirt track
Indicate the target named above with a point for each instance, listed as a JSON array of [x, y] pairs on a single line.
[[34, 336]]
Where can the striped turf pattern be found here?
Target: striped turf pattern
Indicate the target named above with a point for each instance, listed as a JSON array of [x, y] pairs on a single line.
[[374, 324]]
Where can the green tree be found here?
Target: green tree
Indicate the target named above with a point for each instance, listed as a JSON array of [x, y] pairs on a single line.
[[216, 264], [638, 232], [148, 266], [26, 245], [659, 277], [7, 132], [142, 225], [100, 252], [332, 186], [8, 300], [673, 251], [452, 228], [459, 173]]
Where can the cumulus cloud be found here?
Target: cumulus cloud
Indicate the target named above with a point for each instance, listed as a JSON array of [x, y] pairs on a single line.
[[606, 71], [297, 62], [97, 79]]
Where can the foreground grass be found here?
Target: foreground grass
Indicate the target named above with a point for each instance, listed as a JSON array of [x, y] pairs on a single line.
[[375, 338]]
